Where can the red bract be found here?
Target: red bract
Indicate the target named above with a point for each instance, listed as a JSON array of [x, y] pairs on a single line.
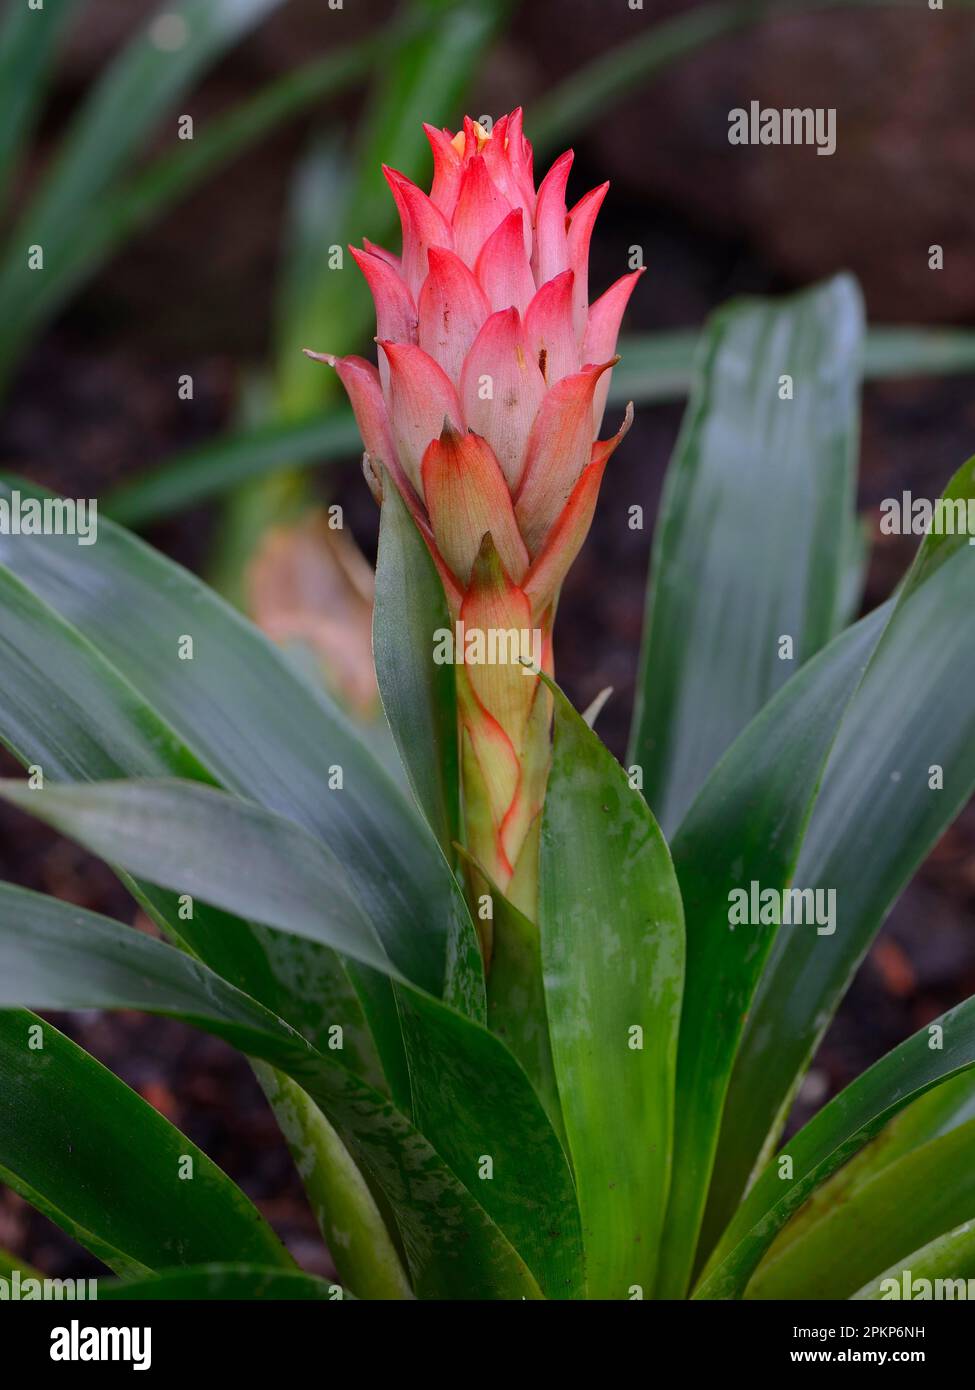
[[485, 410]]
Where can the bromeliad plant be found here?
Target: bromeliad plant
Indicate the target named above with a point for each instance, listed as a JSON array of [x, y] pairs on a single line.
[[570, 1082]]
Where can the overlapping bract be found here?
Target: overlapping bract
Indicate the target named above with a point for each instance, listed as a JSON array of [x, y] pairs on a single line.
[[485, 410]]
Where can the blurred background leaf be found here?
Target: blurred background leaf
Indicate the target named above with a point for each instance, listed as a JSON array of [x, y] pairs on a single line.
[[29, 41], [132, 96]]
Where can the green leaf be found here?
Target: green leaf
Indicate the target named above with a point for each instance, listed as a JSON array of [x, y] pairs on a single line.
[[345, 1209], [938, 549], [853, 574], [419, 696], [209, 844], [474, 1102], [949, 1256], [937, 1112], [318, 189], [516, 998], [259, 727], [273, 739], [660, 366], [746, 825], [216, 468], [914, 710], [830, 1139], [612, 940], [136, 91], [11, 1264], [343, 1205], [753, 535], [29, 40], [223, 1283], [420, 702], [655, 366], [132, 96], [911, 1202], [131, 204], [61, 957], [105, 1166], [64, 709], [894, 352]]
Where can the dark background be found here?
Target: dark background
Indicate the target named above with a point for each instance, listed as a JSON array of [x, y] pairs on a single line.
[[95, 402]]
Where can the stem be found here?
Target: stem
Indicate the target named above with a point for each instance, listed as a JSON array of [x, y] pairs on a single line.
[[346, 1212]]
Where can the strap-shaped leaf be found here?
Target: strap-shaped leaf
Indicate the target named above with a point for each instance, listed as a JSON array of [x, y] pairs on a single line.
[[490, 1058], [211, 845], [101, 1163], [357, 1224], [420, 702], [448, 1210], [263, 732], [475, 1103], [11, 1264], [516, 995], [256, 724], [660, 366], [227, 463], [753, 531], [418, 695], [746, 825], [134, 201], [134, 93], [29, 39], [831, 1138], [911, 1202], [936, 1113], [914, 713], [612, 940], [64, 709], [948, 1257]]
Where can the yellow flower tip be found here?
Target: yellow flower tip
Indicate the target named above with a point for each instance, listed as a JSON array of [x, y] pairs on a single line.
[[483, 136]]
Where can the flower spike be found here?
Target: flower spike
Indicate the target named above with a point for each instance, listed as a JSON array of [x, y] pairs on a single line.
[[493, 376]]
